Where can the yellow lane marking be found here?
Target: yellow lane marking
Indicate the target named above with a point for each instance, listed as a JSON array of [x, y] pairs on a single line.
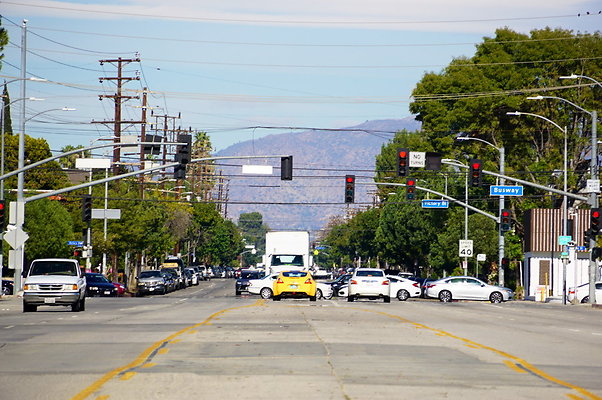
[[148, 352], [516, 360], [127, 376], [148, 365], [514, 367]]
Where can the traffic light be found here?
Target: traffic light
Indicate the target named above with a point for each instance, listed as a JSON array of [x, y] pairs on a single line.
[[349, 188], [595, 221], [77, 253], [2, 213], [505, 220], [183, 150], [87, 208], [475, 172], [286, 168], [587, 235], [410, 189], [403, 164], [596, 253]]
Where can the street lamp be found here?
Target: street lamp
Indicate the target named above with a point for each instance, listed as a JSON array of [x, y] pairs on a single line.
[[564, 203], [501, 238], [574, 76]]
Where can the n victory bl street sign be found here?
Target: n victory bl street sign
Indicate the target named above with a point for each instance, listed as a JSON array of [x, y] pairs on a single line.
[[505, 190], [435, 204]]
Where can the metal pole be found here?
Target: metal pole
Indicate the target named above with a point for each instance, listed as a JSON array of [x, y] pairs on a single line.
[[19, 252], [466, 221], [104, 253], [593, 200], [564, 217], [501, 238]]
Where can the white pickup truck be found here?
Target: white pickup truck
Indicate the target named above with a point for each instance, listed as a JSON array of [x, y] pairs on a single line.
[[54, 282]]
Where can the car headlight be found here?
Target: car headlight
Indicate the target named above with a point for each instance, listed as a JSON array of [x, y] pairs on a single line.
[[30, 286], [70, 287]]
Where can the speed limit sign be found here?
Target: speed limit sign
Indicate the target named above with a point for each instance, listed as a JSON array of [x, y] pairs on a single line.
[[465, 248]]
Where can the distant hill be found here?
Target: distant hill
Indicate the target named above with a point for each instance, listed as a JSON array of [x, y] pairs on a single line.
[[321, 159]]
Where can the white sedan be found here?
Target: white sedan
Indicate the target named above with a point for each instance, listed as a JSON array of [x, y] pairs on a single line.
[[582, 293], [263, 287], [403, 288], [467, 288]]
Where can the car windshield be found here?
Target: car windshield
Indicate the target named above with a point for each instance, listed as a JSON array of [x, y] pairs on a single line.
[[96, 278], [53, 268], [295, 274], [369, 273], [150, 274], [285, 259]]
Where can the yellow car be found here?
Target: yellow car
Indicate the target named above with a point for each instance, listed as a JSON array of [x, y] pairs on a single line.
[[298, 284]]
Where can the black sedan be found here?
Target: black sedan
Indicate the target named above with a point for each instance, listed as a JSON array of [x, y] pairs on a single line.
[[242, 283], [99, 285], [338, 283], [7, 287]]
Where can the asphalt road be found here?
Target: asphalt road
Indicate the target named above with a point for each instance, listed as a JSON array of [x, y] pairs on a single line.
[[206, 343]]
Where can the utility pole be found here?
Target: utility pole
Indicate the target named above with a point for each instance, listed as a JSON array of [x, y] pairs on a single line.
[[118, 98], [143, 137]]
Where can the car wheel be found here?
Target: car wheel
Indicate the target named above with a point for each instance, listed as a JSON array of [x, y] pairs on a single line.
[[238, 292], [82, 306], [330, 296], [319, 294], [312, 298], [445, 296], [265, 293], [387, 299], [77, 306], [496, 297], [585, 300], [29, 308], [402, 295], [350, 299]]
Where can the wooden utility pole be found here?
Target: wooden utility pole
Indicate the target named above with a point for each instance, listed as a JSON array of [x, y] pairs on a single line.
[[118, 98]]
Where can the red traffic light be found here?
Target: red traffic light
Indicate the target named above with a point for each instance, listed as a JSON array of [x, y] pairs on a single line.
[[403, 153], [476, 165], [1, 206], [505, 213], [596, 214], [411, 182], [350, 179]]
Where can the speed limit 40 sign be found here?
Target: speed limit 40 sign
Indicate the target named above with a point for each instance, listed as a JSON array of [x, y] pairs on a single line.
[[465, 248]]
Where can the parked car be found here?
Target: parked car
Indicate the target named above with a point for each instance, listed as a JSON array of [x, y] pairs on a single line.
[[178, 276], [403, 288], [170, 281], [297, 284], [467, 288], [151, 282], [264, 287], [582, 293], [120, 288], [242, 283], [188, 277], [54, 282], [196, 271], [7, 287], [369, 283], [99, 285]]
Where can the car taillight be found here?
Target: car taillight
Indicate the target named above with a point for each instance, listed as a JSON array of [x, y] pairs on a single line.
[[279, 281], [415, 284], [308, 281], [353, 282], [385, 282], [430, 286], [571, 292]]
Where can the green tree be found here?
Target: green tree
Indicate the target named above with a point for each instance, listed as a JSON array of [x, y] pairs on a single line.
[[49, 226], [253, 232], [68, 162]]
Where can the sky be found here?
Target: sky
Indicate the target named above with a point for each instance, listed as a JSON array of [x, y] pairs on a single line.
[[227, 67]]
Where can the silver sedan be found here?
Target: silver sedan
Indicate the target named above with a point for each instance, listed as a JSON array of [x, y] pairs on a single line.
[[467, 288]]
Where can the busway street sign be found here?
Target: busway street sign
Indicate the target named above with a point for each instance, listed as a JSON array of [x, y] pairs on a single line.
[[505, 190], [435, 204]]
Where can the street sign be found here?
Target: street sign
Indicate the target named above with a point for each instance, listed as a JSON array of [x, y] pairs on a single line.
[[505, 190], [592, 186], [435, 204], [78, 243], [15, 236], [417, 159], [465, 248], [108, 213], [481, 257], [580, 248], [564, 240]]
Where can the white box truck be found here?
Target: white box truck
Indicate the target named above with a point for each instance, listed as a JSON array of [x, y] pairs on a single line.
[[286, 250]]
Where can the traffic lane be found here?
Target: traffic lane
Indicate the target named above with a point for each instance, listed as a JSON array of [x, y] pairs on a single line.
[[44, 354], [325, 349]]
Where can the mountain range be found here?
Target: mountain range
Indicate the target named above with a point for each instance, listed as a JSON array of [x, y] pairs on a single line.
[[321, 159]]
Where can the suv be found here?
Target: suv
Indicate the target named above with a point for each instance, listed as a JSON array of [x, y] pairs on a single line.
[[369, 282], [54, 282], [151, 282]]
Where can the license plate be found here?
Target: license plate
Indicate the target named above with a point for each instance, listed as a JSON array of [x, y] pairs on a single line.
[[50, 300], [151, 289], [107, 292], [293, 286]]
